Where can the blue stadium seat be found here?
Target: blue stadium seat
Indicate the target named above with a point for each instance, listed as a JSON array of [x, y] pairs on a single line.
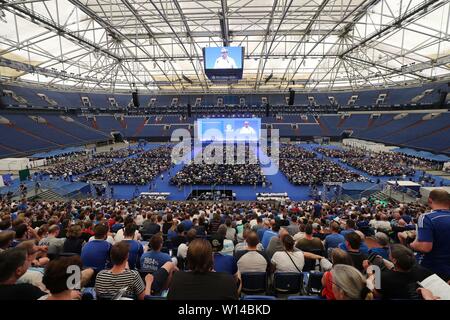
[[314, 282], [287, 282], [254, 282]]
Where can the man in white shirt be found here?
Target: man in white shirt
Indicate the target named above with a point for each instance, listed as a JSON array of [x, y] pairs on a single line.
[[224, 61], [247, 130]]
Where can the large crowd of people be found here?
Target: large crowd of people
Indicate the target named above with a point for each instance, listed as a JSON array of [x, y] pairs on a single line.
[[237, 168], [379, 163], [118, 154], [75, 166], [339, 242], [302, 167], [136, 170]]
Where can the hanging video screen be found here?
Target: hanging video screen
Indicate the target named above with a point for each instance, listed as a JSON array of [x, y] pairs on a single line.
[[223, 63]]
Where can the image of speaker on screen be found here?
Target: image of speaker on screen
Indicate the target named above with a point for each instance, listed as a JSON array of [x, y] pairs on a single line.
[[225, 61], [247, 132]]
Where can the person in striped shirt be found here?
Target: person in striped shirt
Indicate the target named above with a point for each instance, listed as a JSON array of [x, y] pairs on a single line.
[[109, 282]]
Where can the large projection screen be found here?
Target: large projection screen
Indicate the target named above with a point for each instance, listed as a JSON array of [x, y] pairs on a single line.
[[229, 129]]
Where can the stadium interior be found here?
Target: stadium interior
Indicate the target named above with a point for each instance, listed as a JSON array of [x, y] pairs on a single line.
[[277, 149]]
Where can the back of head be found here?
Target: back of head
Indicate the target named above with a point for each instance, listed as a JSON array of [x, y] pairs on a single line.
[[199, 256], [334, 226], [339, 256], [350, 283], [100, 231], [402, 257], [56, 273], [74, 231], [309, 229], [6, 237], [276, 227], [156, 242], [180, 228], [354, 240], [222, 230], [351, 224], [191, 234], [288, 242], [20, 230], [382, 239], [10, 261], [252, 239], [119, 252], [130, 230], [440, 197]]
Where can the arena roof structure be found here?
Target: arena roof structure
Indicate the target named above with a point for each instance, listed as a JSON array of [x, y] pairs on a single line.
[[156, 45]]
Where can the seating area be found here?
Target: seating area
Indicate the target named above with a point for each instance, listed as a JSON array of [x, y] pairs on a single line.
[[28, 134], [40, 132], [32, 97]]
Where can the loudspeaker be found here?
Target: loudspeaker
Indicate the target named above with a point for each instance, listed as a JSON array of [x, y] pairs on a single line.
[[291, 97], [442, 98], [267, 110], [117, 137], [345, 135], [189, 110], [135, 96]]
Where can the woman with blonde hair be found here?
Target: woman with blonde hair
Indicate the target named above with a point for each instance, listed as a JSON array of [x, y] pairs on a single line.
[[349, 284]]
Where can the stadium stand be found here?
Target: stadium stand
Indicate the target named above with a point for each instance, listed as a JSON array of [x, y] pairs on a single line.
[[313, 164]]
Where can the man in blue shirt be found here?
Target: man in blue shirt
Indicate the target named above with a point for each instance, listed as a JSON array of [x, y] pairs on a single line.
[[349, 227], [154, 259], [317, 210], [381, 245], [135, 247], [269, 234], [334, 239], [95, 253], [223, 263], [433, 236], [260, 232], [187, 223]]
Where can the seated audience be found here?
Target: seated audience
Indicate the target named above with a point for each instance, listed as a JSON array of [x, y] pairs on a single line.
[[353, 243], [56, 279], [74, 242], [349, 284], [95, 254], [400, 282], [309, 243], [338, 256], [135, 247], [13, 265], [196, 284], [153, 260], [252, 259], [109, 282], [183, 247]]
